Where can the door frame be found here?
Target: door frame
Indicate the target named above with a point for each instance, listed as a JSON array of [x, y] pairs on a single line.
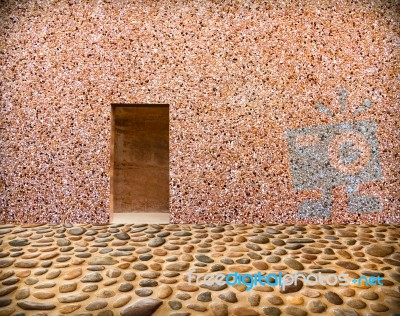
[[114, 106]]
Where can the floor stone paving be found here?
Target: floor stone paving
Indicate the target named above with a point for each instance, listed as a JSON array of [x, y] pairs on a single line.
[[139, 270]]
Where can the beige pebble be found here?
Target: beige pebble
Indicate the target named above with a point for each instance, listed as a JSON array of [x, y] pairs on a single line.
[[121, 301], [295, 300], [164, 291], [73, 274], [70, 308]]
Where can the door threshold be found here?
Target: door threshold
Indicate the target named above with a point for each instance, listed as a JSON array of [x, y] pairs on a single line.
[[140, 218]]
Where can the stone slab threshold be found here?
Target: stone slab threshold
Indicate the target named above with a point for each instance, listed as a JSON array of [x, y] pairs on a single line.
[[139, 218]]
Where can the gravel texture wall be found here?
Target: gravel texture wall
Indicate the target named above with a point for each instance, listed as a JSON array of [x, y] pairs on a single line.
[[242, 80]]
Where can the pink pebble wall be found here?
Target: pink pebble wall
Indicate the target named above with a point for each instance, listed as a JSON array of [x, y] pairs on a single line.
[[236, 75]]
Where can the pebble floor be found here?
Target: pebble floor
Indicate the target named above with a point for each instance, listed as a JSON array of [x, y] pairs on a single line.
[[143, 269]]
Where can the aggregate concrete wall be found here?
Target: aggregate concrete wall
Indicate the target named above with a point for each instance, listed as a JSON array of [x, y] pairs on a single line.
[[241, 79]]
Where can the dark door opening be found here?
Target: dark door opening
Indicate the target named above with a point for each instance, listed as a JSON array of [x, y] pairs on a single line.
[[139, 158]]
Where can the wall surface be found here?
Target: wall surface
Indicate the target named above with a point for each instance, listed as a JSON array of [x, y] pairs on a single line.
[[241, 79]]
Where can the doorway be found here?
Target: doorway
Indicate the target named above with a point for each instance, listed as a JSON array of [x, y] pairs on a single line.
[[139, 158]]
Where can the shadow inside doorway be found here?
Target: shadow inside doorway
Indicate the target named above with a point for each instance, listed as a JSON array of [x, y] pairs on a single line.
[[140, 158]]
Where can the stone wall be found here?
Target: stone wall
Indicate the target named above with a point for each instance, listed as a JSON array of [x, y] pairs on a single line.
[[237, 77]]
